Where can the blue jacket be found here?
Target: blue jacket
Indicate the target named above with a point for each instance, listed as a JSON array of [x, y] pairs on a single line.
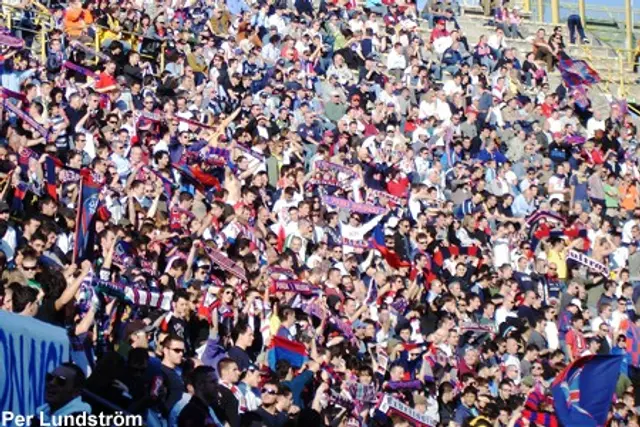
[[451, 57], [496, 155]]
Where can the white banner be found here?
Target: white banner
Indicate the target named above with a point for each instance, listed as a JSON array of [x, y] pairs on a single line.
[[390, 405], [29, 349], [588, 262]]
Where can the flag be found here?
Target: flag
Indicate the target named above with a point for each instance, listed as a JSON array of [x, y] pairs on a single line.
[[291, 351], [633, 343], [392, 258], [576, 72], [89, 203], [50, 164], [583, 391], [194, 175]]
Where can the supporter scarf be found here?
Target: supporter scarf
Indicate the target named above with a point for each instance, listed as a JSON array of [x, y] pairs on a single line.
[[7, 93], [10, 41], [242, 403], [77, 45], [340, 400], [575, 139], [327, 182], [295, 286], [532, 411], [26, 118], [543, 419], [193, 122], [141, 297], [69, 175], [314, 309], [343, 327], [78, 69], [281, 270], [87, 294], [404, 385], [390, 405], [547, 215], [109, 288], [475, 327], [383, 361], [251, 153], [147, 115], [123, 253], [372, 195], [353, 206], [589, 262], [328, 166], [250, 233], [408, 346], [226, 264], [360, 244], [135, 296], [436, 356], [225, 311], [400, 306], [159, 117], [363, 392]]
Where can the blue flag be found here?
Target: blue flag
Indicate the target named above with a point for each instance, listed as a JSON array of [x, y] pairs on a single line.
[[583, 391]]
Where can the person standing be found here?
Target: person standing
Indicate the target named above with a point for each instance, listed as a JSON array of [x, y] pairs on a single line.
[[198, 412], [62, 395], [229, 400], [173, 353]]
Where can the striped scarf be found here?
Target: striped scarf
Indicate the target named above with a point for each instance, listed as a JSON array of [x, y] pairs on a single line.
[[242, 403], [26, 118], [363, 208]]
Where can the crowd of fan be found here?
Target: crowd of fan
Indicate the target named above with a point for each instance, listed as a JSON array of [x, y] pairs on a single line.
[[231, 129]]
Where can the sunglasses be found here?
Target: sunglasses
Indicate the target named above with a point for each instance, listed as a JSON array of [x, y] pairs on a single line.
[[269, 391], [177, 350], [29, 268]]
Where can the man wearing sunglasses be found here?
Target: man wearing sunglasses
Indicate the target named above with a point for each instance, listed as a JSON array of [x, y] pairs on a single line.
[[62, 394], [198, 411], [269, 412], [173, 353]]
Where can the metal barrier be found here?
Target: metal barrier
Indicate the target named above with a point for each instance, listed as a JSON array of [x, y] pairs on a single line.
[[9, 14]]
